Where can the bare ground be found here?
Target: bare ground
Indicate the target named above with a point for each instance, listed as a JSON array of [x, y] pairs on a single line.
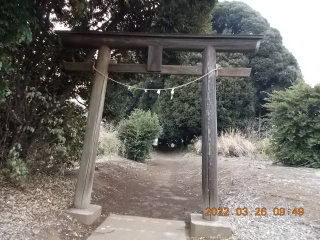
[[169, 187]]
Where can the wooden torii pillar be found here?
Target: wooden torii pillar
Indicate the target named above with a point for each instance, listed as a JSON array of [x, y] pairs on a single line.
[[156, 43]]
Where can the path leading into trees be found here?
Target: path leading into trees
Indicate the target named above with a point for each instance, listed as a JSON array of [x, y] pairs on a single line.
[[169, 187]]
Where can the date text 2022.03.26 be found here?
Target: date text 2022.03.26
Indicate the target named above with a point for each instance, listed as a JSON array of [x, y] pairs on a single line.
[[256, 212]]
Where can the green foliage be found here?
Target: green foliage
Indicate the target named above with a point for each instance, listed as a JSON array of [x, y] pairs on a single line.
[[34, 113], [238, 18], [16, 168], [60, 144], [164, 16], [117, 101], [137, 134], [236, 102], [16, 21], [183, 16], [147, 100], [273, 66], [34, 89], [295, 116], [181, 116]]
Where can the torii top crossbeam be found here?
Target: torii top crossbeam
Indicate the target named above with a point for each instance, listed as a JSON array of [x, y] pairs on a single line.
[[155, 44], [179, 42]]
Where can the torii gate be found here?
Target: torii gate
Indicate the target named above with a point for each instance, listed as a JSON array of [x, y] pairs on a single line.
[[156, 43]]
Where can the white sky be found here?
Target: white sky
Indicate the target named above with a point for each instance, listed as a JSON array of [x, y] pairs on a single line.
[[297, 22]]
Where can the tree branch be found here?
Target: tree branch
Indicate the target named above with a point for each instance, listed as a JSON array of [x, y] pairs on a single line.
[[110, 26], [67, 92]]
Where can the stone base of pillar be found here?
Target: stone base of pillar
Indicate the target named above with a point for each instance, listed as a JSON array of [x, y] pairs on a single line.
[[203, 228], [86, 216]]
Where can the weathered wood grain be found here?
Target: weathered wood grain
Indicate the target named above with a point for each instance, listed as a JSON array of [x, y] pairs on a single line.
[[165, 69], [90, 145], [209, 135], [154, 59]]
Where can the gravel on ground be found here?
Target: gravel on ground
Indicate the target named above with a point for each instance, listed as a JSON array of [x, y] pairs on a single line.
[[168, 187]]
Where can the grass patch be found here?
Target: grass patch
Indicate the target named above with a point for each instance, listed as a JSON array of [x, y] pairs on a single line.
[[109, 144], [234, 143]]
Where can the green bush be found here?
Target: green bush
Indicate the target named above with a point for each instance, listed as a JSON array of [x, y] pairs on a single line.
[[137, 134], [50, 147], [16, 168], [295, 116], [61, 141]]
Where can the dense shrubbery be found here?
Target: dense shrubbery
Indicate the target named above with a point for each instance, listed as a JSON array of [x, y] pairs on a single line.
[[40, 130], [181, 116], [59, 146], [236, 103], [137, 134], [51, 146], [295, 116]]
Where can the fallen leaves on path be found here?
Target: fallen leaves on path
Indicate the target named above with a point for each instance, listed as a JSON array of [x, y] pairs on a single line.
[[25, 211]]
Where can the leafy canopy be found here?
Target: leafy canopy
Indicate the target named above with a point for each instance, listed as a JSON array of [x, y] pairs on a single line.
[[35, 90], [273, 66]]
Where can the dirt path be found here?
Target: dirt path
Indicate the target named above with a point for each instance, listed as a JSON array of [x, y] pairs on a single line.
[[169, 187], [163, 188]]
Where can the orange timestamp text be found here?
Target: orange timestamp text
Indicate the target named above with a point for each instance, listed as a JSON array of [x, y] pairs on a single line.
[[257, 212]]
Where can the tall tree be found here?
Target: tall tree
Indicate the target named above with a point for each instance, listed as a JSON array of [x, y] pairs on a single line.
[[34, 107], [180, 116], [16, 22], [34, 112], [168, 17], [273, 66]]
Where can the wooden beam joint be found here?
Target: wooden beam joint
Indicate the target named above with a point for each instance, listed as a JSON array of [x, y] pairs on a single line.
[[154, 59]]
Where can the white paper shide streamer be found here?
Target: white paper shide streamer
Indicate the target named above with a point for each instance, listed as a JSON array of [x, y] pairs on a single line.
[[157, 90]]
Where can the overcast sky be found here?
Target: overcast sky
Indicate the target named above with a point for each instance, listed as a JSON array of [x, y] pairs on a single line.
[[298, 22]]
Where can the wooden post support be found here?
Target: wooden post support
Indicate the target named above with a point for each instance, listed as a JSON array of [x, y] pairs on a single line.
[[87, 166], [209, 135], [154, 59]]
